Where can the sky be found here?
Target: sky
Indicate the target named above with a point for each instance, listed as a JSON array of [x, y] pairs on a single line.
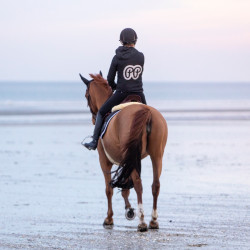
[[182, 40]]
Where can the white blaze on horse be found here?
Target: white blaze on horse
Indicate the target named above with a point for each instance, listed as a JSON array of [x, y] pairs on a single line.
[[136, 132]]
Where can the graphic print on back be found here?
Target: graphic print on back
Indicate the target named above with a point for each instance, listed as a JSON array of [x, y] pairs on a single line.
[[132, 71]]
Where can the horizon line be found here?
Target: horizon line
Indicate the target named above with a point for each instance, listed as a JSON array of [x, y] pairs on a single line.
[[145, 81]]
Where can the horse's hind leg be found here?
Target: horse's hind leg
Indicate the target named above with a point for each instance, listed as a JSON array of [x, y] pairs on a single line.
[[125, 194], [157, 168], [138, 189], [129, 212]]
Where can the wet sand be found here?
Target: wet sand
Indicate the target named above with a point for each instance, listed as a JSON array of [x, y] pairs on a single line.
[[52, 190]]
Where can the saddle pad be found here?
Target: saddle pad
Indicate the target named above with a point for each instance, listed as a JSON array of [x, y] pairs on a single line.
[[123, 105], [107, 121]]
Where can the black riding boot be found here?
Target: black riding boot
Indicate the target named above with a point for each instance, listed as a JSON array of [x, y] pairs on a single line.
[[98, 125]]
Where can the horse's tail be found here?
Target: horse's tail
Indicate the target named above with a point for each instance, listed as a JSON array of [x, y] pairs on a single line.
[[132, 150]]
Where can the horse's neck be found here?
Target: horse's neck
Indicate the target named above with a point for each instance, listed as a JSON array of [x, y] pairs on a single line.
[[101, 98]]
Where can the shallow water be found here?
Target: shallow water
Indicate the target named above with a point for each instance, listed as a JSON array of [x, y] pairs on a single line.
[[52, 190]]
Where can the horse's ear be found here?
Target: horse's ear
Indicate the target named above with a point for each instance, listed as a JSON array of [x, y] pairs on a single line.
[[84, 80], [100, 72]]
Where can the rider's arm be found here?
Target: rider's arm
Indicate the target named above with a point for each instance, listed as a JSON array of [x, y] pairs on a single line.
[[112, 73]]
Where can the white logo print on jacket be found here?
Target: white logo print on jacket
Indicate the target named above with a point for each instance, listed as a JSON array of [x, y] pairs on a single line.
[[131, 71]]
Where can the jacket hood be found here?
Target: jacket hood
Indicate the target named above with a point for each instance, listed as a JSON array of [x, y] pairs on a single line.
[[124, 52]]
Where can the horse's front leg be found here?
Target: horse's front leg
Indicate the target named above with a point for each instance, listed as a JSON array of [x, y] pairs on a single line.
[[106, 166], [142, 227], [129, 211], [109, 193]]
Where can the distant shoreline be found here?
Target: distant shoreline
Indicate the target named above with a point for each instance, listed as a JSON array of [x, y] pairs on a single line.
[[65, 112]]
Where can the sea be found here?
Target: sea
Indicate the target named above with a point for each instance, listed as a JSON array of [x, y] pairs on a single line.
[[64, 102]]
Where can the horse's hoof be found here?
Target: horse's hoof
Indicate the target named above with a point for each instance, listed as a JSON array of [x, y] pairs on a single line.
[[130, 213], [108, 224], [142, 227], [153, 225]]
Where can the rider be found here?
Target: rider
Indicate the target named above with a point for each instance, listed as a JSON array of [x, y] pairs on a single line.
[[128, 63]]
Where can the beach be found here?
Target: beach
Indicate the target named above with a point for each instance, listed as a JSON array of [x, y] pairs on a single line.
[[52, 191]]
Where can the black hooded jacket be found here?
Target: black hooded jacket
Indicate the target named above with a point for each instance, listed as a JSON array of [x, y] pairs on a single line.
[[128, 62]]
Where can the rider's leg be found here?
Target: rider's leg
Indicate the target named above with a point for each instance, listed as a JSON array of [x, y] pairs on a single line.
[[115, 99]]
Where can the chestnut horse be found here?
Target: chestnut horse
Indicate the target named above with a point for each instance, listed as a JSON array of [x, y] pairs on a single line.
[[134, 133]]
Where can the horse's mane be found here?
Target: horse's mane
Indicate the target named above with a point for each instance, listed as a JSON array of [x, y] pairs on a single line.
[[100, 80]]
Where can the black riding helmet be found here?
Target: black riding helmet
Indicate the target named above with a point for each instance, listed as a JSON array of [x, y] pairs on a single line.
[[128, 36]]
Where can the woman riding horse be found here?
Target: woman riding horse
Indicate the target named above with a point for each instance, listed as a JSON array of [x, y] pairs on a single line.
[[128, 62], [136, 132]]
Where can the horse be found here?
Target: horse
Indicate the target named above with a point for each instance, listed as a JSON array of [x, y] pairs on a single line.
[[136, 132]]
